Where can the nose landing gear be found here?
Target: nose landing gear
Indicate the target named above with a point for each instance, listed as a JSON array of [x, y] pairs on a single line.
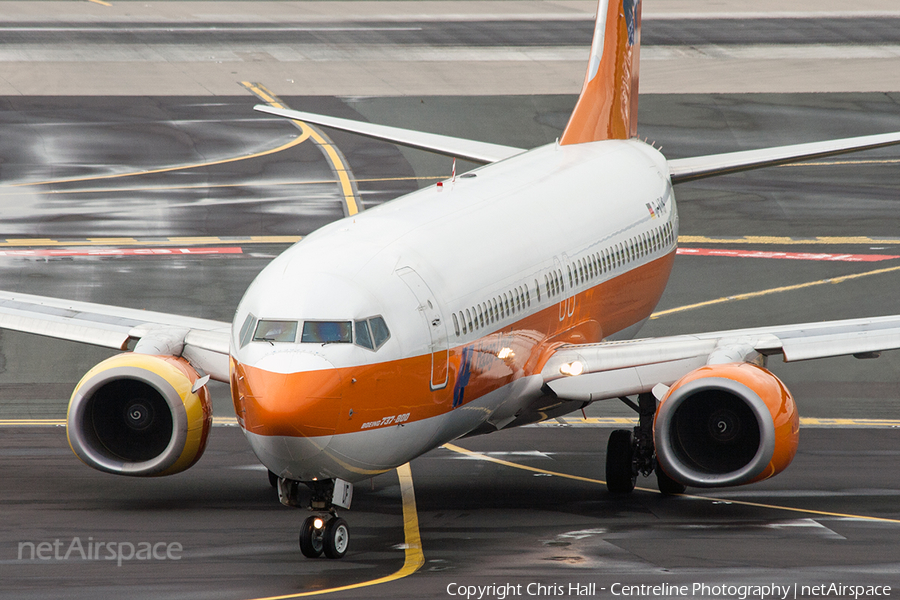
[[324, 532]]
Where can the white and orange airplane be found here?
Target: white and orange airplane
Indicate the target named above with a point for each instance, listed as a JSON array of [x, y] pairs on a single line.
[[380, 337]]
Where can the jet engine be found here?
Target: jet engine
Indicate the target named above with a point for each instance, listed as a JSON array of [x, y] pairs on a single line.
[[139, 415], [726, 424]]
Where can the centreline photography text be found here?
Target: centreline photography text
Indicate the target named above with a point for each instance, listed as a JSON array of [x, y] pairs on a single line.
[[766, 591]]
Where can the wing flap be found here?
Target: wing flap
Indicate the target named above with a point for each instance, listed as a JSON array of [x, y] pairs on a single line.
[[481, 152], [698, 167]]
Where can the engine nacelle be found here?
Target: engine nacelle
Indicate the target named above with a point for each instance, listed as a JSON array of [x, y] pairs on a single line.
[[726, 424], [136, 414]]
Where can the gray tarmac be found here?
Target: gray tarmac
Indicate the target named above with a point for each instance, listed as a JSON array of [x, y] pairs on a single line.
[[832, 517], [481, 523]]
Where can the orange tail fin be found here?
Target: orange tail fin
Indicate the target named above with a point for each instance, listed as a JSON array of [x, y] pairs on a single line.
[[607, 107]]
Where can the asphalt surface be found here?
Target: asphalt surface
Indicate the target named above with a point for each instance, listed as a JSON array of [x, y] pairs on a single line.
[[484, 33], [481, 523], [832, 517]]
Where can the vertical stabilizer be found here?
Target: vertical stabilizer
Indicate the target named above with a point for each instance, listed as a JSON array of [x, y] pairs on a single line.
[[607, 107]]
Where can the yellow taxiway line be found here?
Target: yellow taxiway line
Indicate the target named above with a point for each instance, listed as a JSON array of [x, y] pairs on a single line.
[[817, 422], [778, 290], [811, 422], [295, 142], [334, 156], [414, 557], [822, 513], [169, 241], [791, 241]]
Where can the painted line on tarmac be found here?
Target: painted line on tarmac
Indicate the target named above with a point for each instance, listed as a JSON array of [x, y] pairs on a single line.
[[295, 142], [717, 501], [336, 161], [171, 241], [791, 241], [809, 422], [778, 290], [203, 186], [414, 557], [785, 255], [140, 252], [217, 422], [832, 163], [805, 422]]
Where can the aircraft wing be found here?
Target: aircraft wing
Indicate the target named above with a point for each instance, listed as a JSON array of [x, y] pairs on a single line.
[[689, 169], [203, 342], [588, 372], [481, 152]]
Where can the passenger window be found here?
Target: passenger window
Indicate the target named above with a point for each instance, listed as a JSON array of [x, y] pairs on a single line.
[[480, 316], [463, 319], [326, 332], [469, 319], [455, 324], [247, 330], [276, 331], [363, 338]]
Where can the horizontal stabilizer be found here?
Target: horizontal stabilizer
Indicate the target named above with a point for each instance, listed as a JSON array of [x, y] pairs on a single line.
[[698, 167], [481, 152]]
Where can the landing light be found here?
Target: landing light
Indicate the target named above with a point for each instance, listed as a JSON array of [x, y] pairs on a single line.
[[572, 369], [505, 353], [318, 523]]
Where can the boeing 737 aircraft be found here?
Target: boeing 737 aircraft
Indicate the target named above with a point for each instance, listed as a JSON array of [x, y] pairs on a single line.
[[505, 296]]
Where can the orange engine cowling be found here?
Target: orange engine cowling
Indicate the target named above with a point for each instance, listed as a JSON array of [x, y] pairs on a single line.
[[137, 414], [726, 424]]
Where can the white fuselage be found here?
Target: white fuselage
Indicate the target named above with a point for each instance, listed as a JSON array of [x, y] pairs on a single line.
[[477, 282]]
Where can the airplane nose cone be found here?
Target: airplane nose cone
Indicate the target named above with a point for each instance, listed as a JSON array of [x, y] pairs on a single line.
[[288, 393]]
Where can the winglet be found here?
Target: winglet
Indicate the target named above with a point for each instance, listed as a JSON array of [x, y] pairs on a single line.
[[607, 107]]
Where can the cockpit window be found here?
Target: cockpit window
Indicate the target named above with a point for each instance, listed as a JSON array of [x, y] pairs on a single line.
[[275, 331], [247, 330], [371, 333], [327, 332], [380, 333], [363, 338]]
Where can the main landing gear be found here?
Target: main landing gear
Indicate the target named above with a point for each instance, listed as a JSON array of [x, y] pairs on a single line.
[[629, 453], [324, 532]]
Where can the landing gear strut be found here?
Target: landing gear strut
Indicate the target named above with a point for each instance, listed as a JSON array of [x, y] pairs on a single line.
[[324, 532], [629, 453]]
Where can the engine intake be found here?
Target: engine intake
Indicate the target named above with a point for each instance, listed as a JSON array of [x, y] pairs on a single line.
[[136, 414], [726, 425]]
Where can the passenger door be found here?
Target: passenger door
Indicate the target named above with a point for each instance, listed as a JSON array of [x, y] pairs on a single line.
[[434, 322]]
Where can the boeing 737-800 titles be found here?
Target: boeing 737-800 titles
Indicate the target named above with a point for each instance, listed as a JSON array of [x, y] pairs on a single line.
[[505, 296]]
